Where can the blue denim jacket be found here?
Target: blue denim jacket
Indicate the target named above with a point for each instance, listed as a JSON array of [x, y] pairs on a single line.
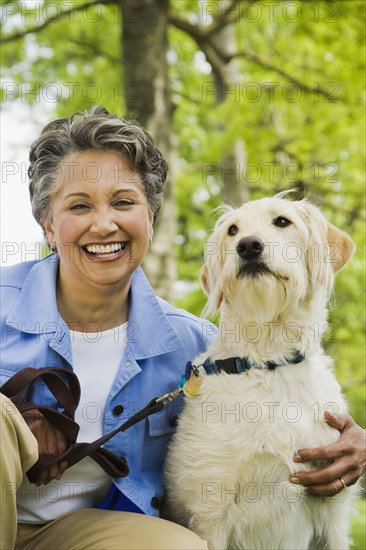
[[160, 340]]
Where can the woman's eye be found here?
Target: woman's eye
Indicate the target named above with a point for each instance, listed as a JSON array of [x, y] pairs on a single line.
[[281, 221], [78, 206], [123, 202], [233, 229]]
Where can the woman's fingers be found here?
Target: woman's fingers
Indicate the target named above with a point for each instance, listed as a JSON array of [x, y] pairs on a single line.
[[346, 459], [327, 481], [50, 442]]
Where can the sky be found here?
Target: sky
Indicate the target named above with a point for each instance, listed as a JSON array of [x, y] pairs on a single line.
[[21, 237]]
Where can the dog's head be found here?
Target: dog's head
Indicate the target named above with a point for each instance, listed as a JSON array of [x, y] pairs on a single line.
[[271, 253]]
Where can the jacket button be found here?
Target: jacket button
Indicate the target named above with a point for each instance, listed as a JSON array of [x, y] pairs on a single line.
[[118, 409], [155, 502], [173, 422]]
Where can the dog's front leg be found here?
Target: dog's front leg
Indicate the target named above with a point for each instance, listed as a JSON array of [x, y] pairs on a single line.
[[331, 527], [215, 535], [336, 537]]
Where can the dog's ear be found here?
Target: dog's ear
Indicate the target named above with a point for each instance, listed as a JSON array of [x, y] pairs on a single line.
[[341, 245], [204, 279], [328, 249], [211, 284], [211, 271]]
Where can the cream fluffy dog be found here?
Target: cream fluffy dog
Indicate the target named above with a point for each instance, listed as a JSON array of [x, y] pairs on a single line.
[[269, 268]]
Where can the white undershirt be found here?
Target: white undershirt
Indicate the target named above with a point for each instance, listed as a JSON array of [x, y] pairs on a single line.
[[96, 358]]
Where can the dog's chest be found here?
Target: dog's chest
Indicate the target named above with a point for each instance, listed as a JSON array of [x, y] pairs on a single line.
[[258, 412]]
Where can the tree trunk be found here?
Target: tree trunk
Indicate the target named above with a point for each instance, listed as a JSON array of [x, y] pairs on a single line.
[[235, 188], [147, 96]]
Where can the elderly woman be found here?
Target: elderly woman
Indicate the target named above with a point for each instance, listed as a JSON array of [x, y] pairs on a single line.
[[96, 185]]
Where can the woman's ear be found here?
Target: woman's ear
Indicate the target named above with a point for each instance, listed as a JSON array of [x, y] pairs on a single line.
[[48, 226], [151, 225]]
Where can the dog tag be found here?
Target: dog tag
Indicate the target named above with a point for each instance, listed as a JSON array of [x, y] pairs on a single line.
[[192, 386]]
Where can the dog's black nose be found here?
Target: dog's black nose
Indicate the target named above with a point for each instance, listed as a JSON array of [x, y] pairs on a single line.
[[250, 248]]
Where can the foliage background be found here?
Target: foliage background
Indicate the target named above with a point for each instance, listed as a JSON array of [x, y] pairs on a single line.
[[294, 100], [265, 96]]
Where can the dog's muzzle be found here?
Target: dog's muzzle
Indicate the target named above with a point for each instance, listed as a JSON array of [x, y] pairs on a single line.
[[250, 250]]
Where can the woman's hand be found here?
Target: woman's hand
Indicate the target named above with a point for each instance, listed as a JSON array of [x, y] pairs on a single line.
[[348, 455], [50, 441]]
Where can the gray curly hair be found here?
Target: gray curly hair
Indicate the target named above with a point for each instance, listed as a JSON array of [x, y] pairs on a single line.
[[98, 129]]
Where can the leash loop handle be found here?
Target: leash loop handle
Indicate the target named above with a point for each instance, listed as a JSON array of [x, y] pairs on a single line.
[[18, 389]]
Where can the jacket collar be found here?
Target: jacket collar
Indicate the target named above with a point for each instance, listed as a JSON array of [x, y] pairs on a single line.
[[35, 312], [150, 331]]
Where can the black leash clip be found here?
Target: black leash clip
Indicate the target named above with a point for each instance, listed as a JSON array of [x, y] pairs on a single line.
[[168, 397]]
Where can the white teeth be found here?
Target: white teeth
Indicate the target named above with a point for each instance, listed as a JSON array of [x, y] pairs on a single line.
[[104, 249]]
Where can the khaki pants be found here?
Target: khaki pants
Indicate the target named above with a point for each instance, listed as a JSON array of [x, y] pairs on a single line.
[[89, 529]]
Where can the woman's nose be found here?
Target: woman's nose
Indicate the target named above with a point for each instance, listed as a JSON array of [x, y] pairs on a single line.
[[104, 222]]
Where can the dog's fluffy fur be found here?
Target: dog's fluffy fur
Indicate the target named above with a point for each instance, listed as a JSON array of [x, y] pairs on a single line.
[[229, 464]]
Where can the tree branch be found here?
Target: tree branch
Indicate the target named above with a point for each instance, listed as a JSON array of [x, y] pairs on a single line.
[[204, 39], [259, 60], [21, 34], [223, 18], [197, 32], [92, 48], [199, 35]]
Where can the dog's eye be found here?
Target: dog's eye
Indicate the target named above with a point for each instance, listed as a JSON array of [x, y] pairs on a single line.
[[280, 221], [233, 229]]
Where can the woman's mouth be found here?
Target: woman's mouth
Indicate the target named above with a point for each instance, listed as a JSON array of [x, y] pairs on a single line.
[[105, 252]]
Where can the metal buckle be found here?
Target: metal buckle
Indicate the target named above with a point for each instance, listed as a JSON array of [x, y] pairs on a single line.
[[168, 397]]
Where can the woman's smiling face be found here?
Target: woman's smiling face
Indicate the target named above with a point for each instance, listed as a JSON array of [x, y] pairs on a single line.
[[100, 219]]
